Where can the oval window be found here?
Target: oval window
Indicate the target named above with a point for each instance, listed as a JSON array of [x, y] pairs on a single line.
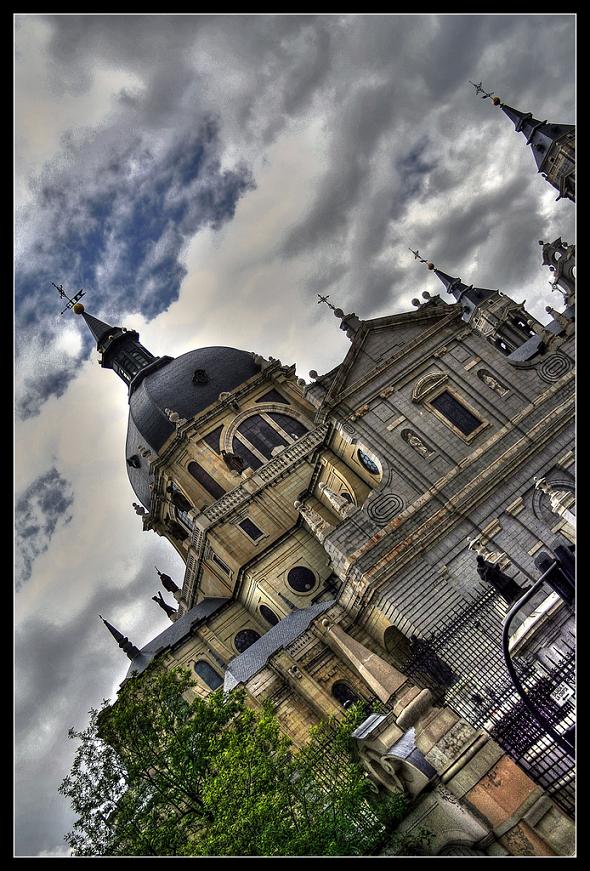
[[269, 615], [301, 579], [366, 461], [245, 639]]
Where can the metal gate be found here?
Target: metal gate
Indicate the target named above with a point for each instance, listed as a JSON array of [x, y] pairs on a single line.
[[461, 662]]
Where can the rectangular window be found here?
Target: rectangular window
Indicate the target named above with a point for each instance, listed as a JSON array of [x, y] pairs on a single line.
[[220, 563], [205, 480], [250, 529], [456, 413]]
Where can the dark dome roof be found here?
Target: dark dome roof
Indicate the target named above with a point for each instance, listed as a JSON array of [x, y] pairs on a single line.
[[172, 387]]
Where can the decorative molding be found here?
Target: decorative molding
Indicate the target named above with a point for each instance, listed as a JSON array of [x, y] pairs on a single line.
[[552, 368], [417, 444], [427, 385], [383, 507]]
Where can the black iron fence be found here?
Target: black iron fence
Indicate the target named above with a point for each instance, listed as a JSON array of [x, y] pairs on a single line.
[[461, 662]]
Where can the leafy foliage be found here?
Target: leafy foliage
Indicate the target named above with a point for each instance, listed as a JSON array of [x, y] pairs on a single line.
[[157, 775]]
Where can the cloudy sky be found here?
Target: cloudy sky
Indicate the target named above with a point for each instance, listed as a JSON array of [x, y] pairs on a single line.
[[202, 178]]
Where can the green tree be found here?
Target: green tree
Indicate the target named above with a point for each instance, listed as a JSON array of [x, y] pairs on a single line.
[[157, 775]]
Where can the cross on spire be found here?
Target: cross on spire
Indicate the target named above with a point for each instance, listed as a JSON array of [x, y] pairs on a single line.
[[325, 299], [74, 302]]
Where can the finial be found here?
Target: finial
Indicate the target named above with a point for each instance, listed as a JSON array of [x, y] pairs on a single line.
[[480, 90], [73, 303], [325, 299], [416, 254]]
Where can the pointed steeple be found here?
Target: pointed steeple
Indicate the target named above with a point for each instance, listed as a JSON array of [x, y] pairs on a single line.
[[539, 134], [553, 145], [121, 350], [468, 295], [96, 327], [123, 642]]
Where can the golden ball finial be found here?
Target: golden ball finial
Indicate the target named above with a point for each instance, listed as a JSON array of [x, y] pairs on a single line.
[[496, 101], [78, 308], [430, 264]]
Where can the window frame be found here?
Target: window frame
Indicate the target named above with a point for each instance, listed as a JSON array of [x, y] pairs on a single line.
[[312, 589], [447, 388]]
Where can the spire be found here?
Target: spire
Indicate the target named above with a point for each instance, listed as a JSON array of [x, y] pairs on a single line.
[[553, 145], [349, 323], [468, 295], [96, 327], [120, 349], [123, 642]]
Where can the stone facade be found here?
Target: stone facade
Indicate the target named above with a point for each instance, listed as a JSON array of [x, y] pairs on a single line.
[[362, 537], [357, 535]]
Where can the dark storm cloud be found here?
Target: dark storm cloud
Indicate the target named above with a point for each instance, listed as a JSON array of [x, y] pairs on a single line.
[[38, 511], [114, 220]]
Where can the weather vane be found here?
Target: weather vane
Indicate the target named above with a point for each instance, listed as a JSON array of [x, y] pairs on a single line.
[[480, 90], [73, 303], [325, 299], [416, 254]]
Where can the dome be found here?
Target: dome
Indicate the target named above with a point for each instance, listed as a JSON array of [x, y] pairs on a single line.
[[176, 387]]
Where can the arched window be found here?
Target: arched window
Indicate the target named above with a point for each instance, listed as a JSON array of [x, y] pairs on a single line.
[[245, 638], [344, 694], [258, 435], [269, 615], [208, 674], [301, 579]]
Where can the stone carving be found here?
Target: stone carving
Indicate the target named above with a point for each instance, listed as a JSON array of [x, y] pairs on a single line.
[[360, 412], [554, 367], [557, 500], [233, 462], [316, 523], [387, 392], [159, 599], [416, 443], [167, 582], [506, 586], [564, 322], [174, 417], [492, 382], [340, 505], [427, 384], [139, 509], [477, 546]]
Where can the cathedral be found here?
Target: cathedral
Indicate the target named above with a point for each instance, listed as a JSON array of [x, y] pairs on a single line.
[[399, 531]]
